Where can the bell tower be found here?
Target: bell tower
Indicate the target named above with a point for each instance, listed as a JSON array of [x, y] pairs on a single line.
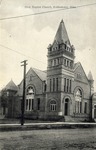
[[61, 56]]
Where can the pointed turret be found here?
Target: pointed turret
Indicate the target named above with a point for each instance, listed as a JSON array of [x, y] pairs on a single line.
[[61, 42], [91, 82], [61, 35], [90, 77], [11, 86]]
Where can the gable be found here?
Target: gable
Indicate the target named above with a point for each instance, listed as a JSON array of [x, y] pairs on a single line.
[[79, 74], [41, 74], [35, 78]]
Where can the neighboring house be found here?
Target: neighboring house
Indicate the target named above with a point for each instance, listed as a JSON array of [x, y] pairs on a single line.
[[7, 99], [63, 91]]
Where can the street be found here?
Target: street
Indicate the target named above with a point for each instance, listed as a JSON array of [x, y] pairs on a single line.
[[53, 139]]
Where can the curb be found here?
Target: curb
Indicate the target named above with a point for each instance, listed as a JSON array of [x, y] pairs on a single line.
[[18, 127]]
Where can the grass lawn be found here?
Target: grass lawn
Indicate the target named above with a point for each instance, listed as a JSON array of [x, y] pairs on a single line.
[[62, 139]]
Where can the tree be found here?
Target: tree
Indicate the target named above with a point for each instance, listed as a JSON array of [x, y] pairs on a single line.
[[4, 100]]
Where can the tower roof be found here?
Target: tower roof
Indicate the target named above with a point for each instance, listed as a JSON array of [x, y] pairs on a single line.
[[11, 86], [90, 77], [61, 35]]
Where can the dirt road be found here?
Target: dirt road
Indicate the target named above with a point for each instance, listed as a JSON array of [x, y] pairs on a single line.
[[62, 139]]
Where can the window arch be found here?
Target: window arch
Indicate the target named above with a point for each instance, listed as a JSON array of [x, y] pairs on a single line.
[[78, 101], [30, 90], [53, 105], [78, 95], [29, 104]]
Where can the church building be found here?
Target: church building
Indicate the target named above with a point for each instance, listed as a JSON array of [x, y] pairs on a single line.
[[62, 92]]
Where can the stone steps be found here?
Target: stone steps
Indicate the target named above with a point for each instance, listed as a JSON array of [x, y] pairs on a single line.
[[68, 119], [2, 116]]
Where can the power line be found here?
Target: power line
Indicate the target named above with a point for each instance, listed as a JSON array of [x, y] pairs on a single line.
[[45, 12], [21, 53]]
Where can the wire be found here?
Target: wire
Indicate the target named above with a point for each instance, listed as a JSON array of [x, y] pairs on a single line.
[[40, 13], [21, 53]]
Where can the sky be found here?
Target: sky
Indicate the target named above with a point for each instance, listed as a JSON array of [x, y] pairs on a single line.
[[28, 37]]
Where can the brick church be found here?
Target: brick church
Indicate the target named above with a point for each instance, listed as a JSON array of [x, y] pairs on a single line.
[[62, 91]]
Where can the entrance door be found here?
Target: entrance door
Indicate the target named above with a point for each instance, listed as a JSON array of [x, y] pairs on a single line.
[[4, 111], [66, 107], [94, 111]]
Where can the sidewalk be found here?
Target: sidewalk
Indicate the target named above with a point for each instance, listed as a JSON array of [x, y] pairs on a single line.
[[39, 126]]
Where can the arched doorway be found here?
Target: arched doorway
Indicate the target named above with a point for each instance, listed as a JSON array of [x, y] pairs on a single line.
[[94, 111], [66, 107]]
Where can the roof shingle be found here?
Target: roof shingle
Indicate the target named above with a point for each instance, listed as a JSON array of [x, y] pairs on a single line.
[[11, 86], [61, 35], [41, 74]]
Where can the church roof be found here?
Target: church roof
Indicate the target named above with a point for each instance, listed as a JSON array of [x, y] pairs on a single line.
[[90, 77], [11, 86], [76, 65], [41, 74], [61, 35]]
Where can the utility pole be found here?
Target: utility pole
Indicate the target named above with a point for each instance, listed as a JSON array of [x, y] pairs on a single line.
[[24, 86]]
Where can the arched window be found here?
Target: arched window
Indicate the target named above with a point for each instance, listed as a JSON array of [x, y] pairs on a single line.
[[29, 104], [53, 105], [78, 101], [30, 90]]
